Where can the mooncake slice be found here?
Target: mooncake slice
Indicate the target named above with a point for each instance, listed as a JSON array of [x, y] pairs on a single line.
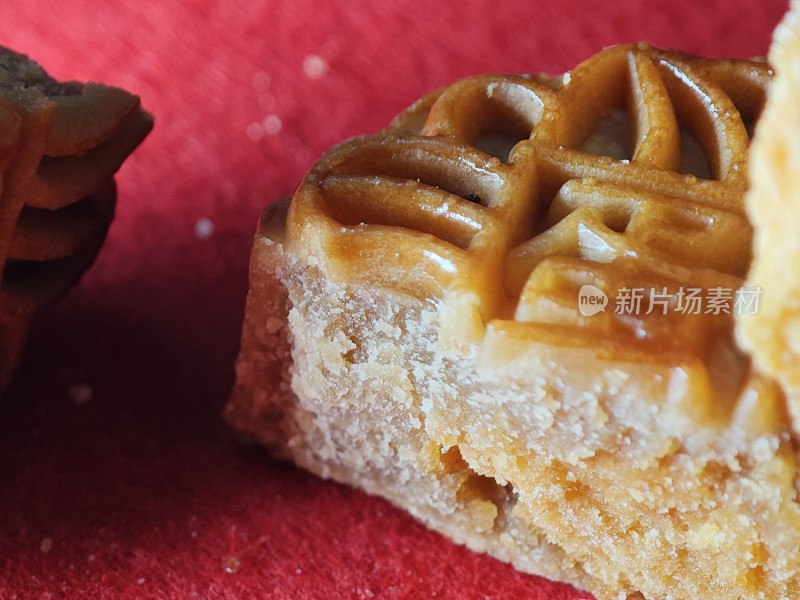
[[512, 314]]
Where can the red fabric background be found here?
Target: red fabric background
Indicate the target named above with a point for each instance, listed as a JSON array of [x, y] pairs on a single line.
[[142, 491]]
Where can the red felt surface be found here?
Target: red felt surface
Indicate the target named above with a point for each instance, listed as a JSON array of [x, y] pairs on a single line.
[[141, 491]]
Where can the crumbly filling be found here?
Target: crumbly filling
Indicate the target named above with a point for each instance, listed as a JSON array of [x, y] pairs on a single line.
[[579, 484]]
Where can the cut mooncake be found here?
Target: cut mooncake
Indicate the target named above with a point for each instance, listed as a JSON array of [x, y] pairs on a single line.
[[512, 314]]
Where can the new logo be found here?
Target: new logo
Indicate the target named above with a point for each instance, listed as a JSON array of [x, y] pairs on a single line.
[[591, 300]]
